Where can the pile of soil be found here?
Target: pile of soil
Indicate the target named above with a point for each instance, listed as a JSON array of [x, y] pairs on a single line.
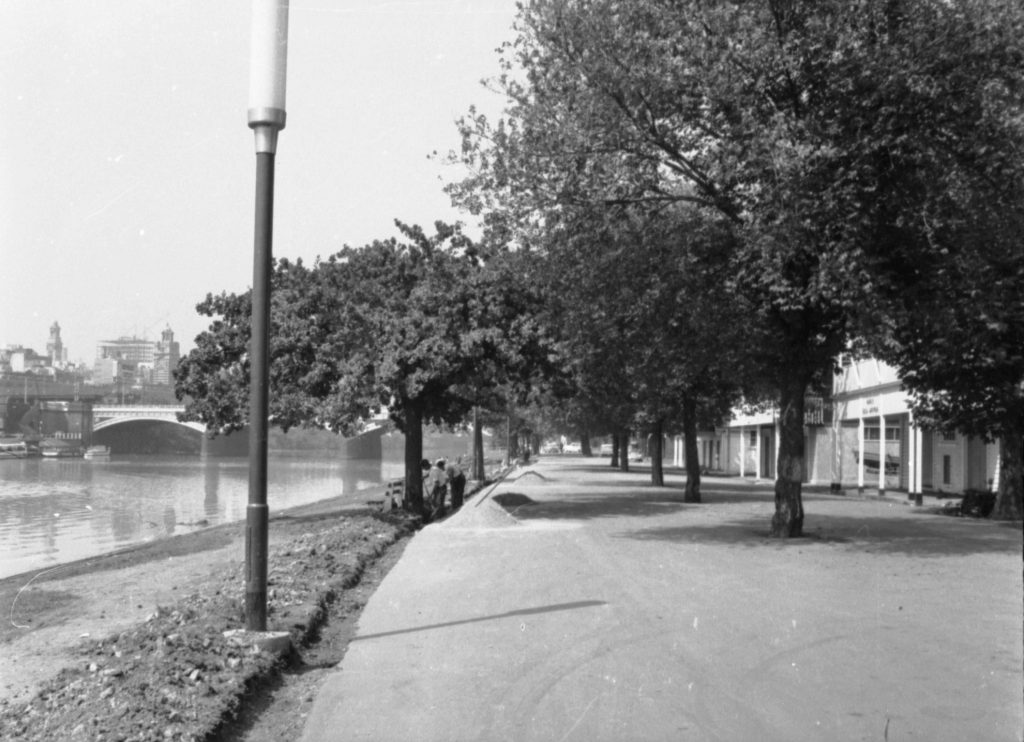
[[177, 675]]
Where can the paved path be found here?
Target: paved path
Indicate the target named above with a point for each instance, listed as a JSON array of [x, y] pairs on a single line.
[[595, 607]]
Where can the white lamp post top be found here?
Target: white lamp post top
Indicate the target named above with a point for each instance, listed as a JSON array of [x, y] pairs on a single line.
[[268, 64]]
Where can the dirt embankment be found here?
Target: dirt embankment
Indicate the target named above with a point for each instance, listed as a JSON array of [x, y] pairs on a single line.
[[132, 646]]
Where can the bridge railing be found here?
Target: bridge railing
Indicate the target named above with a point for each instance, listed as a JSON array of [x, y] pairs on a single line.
[[138, 407], [133, 410]]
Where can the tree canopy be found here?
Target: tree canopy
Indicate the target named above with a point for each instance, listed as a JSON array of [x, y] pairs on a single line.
[[421, 327], [828, 134]]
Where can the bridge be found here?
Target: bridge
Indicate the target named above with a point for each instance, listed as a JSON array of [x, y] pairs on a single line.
[[111, 422], [105, 416]]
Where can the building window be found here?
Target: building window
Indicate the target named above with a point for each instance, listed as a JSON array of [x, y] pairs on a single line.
[[752, 437], [947, 466], [871, 433], [949, 437]]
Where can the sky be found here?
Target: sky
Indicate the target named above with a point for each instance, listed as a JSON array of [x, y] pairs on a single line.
[[127, 169]]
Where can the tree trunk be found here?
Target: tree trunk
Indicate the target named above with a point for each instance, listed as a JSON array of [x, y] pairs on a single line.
[[523, 447], [585, 442], [615, 450], [657, 439], [788, 521], [478, 448], [624, 450], [1010, 495], [413, 456], [690, 451]]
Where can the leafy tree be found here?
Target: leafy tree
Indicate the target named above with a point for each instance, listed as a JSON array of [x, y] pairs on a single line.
[[213, 378], [813, 127], [957, 338], [946, 266], [652, 103], [414, 326], [689, 356]]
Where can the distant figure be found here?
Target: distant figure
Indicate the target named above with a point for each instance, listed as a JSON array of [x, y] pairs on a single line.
[[425, 468], [437, 482], [456, 484]]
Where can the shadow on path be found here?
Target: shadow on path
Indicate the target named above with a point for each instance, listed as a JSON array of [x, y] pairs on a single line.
[[585, 507], [509, 614], [924, 536]]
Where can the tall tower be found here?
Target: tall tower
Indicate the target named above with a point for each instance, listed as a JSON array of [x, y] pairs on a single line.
[[54, 346], [166, 357]]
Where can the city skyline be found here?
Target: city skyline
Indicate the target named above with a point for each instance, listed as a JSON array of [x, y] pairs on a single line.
[[127, 179], [130, 360], [42, 347]]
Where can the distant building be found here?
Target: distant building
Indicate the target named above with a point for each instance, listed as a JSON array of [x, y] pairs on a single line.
[[145, 361], [27, 361], [131, 349], [168, 353], [863, 436], [55, 349], [105, 370]]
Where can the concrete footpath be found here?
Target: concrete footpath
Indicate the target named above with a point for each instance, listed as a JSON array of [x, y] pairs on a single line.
[[576, 602]]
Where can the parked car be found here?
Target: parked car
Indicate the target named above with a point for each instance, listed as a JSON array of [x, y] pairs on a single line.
[[572, 448], [607, 449]]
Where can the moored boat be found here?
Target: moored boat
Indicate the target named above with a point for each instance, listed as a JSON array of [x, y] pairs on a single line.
[[14, 449], [97, 452], [57, 450]]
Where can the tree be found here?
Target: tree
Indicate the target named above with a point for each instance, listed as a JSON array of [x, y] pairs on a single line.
[[213, 378], [788, 119], [946, 267], [689, 352], [638, 299], [414, 326], [957, 338]]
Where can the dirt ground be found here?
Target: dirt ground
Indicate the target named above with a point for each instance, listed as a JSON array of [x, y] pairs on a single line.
[[278, 710], [131, 646]]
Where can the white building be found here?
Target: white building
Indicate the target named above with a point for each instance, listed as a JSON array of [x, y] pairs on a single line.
[[867, 440]]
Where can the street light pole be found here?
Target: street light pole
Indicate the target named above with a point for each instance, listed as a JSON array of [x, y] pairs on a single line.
[[266, 118]]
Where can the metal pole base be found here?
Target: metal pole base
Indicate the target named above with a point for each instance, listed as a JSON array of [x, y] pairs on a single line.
[[256, 532]]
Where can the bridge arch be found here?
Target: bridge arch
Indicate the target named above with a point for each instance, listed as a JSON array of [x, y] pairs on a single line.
[[146, 429], [150, 435], [105, 416], [110, 422]]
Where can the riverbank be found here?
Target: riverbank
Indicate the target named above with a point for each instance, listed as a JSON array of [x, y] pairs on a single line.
[[131, 645]]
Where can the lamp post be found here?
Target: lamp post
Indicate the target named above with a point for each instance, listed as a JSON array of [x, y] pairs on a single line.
[[267, 65]]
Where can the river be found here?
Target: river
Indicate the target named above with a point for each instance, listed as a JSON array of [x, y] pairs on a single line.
[[57, 510]]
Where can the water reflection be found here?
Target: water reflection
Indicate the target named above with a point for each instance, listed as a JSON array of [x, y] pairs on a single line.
[[124, 522], [211, 481], [57, 511], [361, 476], [168, 521]]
